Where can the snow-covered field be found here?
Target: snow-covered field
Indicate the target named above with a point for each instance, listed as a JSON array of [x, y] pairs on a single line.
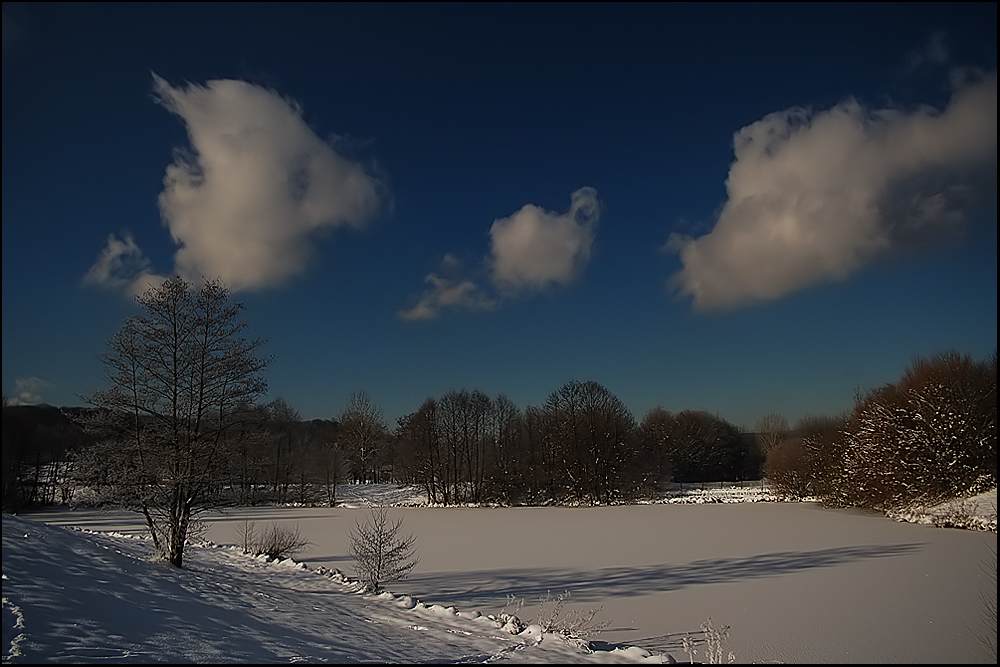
[[795, 583]]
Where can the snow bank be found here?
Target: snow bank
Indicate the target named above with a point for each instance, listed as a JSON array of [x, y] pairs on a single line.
[[976, 513]]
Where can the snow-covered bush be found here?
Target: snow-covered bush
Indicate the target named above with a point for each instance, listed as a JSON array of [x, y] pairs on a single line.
[[551, 617], [928, 438], [507, 620], [715, 640]]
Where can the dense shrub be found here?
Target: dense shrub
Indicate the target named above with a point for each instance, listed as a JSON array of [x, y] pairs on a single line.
[[805, 463], [276, 542], [927, 438], [697, 446]]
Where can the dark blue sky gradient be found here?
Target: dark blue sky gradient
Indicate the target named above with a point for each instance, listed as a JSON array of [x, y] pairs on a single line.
[[469, 112]]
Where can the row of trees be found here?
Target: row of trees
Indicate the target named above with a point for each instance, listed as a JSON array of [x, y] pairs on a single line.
[[930, 436], [581, 445], [38, 442], [269, 455]]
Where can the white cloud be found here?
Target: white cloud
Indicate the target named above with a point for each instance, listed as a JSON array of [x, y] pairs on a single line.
[[447, 293], [812, 197], [122, 266], [260, 187], [450, 289], [535, 248], [256, 189], [531, 250]]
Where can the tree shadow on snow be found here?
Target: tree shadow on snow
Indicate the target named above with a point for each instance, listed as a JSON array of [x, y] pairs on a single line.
[[490, 586]]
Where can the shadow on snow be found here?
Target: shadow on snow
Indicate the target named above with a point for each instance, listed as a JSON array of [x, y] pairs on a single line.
[[491, 587]]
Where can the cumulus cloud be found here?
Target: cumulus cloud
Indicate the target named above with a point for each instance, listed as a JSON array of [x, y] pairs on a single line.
[[256, 189], [449, 290], [535, 248], [813, 197]]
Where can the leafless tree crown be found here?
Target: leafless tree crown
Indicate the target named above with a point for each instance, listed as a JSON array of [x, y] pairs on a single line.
[[381, 555], [182, 376]]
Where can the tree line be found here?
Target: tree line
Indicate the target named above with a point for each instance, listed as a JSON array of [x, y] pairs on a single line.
[[581, 446], [179, 427], [38, 443]]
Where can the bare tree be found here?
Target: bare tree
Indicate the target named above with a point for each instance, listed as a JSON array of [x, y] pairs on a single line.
[[465, 419], [590, 432], [180, 372], [539, 462], [420, 439], [656, 438], [363, 433], [282, 419], [452, 412], [693, 446], [507, 423], [249, 458], [771, 431], [330, 459], [380, 553]]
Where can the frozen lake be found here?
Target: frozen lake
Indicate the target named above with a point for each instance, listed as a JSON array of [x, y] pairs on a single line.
[[796, 583]]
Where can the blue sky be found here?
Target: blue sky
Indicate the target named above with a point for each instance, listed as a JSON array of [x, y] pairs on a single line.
[[738, 208]]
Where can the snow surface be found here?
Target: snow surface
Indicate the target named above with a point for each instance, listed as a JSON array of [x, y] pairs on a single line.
[[795, 583], [72, 596]]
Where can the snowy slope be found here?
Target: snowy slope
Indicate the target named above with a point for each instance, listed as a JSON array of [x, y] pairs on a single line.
[[74, 596]]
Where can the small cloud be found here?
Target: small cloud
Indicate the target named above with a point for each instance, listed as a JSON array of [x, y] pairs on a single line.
[[813, 197], [534, 248], [29, 391], [531, 250], [122, 266], [448, 290]]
